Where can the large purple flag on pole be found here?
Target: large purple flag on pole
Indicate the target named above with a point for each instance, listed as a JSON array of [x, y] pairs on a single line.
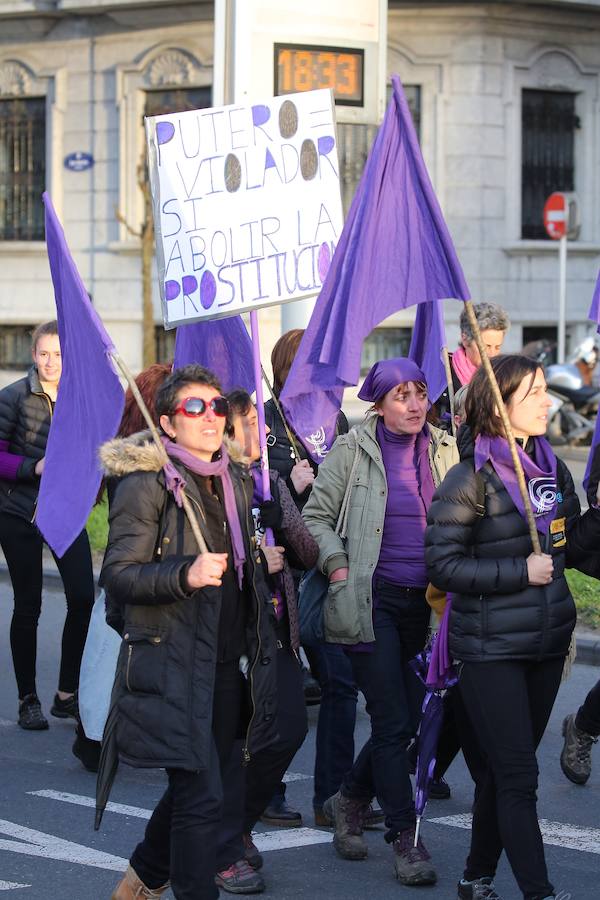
[[594, 315], [394, 251], [428, 340], [89, 405], [223, 346]]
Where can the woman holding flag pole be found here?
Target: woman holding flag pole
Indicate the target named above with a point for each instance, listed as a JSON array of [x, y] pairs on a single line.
[[513, 615]]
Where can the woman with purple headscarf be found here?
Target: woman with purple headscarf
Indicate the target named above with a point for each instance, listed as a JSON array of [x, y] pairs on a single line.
[[512, 613], [367, 511]]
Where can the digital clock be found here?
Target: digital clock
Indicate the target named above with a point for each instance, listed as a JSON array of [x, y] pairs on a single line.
[[301, 67]]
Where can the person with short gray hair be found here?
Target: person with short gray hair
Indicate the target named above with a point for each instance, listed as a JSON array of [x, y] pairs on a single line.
[[493, 323]]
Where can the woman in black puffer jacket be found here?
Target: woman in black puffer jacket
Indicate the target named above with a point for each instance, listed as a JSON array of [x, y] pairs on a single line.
[[26, 409], [512, 613]]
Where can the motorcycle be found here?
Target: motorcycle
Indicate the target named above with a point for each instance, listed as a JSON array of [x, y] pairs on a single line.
[[572, 416]]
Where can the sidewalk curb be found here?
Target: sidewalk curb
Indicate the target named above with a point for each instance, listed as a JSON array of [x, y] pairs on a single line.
[[588, 648]]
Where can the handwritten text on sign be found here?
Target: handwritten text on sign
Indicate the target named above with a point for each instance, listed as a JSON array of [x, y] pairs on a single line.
[[247, 204]]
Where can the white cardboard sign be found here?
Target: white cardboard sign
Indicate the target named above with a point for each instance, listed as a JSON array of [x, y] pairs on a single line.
[[247, 205]]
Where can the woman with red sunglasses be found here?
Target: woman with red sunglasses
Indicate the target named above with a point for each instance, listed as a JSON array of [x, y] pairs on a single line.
[[194, 681]]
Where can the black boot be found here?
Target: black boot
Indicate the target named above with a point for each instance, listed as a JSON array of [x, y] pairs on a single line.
[[86, 750]]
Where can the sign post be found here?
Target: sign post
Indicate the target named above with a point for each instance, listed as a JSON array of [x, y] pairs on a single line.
[[561, 221]]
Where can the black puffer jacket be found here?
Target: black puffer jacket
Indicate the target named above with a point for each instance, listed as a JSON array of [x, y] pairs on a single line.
[[480, 556], [281, 455], [165, 675], [25, 417]]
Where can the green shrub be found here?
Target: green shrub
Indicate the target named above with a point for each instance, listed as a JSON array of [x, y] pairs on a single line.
[[97, 526], [586, 593]]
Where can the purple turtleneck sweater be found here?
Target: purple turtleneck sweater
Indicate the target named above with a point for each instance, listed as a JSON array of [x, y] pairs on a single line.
[[402, 556]]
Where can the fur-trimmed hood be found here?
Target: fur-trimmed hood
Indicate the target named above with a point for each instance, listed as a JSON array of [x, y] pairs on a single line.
[[139, 453]]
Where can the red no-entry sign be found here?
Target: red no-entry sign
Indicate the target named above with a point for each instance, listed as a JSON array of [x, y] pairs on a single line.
[[556, 215]]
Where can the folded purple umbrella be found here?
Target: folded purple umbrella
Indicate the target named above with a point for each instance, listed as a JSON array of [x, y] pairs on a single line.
[[434, 667], [594, 315]]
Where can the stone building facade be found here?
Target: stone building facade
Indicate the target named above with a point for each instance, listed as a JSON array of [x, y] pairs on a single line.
[[507, 102]]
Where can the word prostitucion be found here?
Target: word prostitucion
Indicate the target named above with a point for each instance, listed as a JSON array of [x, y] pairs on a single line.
[[246, 204]]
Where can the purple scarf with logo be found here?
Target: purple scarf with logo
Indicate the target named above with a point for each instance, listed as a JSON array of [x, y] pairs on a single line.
[[540, 475], [219, 467]]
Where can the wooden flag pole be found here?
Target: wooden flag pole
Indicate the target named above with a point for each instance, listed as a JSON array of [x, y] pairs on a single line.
[[446, 357], [288, 430], [485, 362], [187, 506]]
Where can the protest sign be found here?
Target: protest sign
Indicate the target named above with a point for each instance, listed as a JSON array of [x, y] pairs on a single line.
[[247, 205]]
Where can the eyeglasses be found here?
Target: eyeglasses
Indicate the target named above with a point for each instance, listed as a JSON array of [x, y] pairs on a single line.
[[194, 407]]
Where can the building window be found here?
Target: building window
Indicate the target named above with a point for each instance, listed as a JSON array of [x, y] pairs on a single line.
[[165, 344], [174, 100], [22, 168], [355, 142], [548, 124], [15, 346], [384, 343]]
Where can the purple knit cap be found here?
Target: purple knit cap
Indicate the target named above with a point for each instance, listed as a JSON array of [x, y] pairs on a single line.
[[386, 374]]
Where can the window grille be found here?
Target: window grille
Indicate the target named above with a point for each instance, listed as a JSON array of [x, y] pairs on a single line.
[[15, 346], [384, 343], [548, 154], [22, 168], [165, 344]]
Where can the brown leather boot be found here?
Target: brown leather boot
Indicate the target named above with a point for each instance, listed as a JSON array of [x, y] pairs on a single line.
[[348, 818], [131, 887]]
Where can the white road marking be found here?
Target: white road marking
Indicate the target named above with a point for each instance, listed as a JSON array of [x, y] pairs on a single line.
[[282, 839], [296, 776], [79, 800], [38, 843], [4, 723], [573, 837], [11, 885], [285, 839]]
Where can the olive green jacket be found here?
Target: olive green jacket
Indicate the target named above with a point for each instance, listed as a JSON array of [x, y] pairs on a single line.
[[353, 539]]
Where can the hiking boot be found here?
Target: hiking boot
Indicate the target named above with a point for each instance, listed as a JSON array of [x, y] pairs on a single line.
[[412, 864], [251, 853], [240, 878], [131, 887], [278, 813], [348, 817], [576, 756], [30, 714], [86, 750], [325, 815], [479, 889], [65, 709], [439, 789]]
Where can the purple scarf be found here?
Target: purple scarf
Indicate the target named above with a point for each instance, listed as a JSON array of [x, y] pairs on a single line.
[[540, 475], [220, 467]]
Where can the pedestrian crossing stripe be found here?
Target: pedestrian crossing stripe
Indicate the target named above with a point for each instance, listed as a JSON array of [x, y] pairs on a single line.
[[556, 834]]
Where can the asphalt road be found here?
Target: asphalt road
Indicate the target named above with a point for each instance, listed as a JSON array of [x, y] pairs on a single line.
[[48, 848]]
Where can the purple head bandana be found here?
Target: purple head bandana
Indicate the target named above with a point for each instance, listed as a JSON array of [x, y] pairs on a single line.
[[386, 374]]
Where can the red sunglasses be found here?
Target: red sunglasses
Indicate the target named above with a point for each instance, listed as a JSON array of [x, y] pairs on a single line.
[[194, 407]]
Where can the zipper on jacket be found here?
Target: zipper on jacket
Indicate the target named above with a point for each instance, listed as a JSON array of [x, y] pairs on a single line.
[[129, 654], [245, 751], [47, 399]]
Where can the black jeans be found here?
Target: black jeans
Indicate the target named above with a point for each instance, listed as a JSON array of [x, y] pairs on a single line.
[[180, 842], [248, 791], [588, 716], [394, 696], [334, 753], [509, 704], [22, 544]]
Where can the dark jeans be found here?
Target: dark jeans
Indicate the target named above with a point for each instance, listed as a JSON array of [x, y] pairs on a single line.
[[509, 704], [180, 842], [588, 716], [394, 696], [337, 718], [249, 790], [458, 734], [22, 544]]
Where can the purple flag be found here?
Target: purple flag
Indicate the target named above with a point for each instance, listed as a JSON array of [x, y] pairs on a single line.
[[223, 346], [394, 251], [428, 340], [89, 405], [594, 313]]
